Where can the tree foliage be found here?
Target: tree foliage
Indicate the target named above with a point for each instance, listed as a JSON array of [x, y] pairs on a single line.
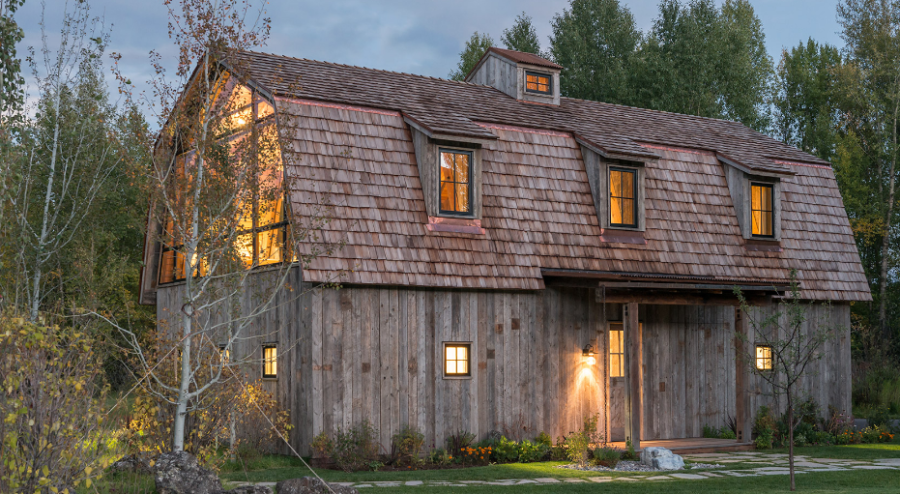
[[522, 36], [701, 60], [475, 48], [595, 41], [807, 113], [11, 81]]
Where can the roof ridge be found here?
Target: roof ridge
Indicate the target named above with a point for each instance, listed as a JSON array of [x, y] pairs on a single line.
[[366, 68]]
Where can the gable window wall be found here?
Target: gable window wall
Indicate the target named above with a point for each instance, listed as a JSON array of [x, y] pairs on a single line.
[[262, 225]]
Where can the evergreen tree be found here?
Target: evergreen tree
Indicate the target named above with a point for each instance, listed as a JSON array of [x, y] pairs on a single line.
[[471, 54], [522, 36], [594, 41], [806, 106]]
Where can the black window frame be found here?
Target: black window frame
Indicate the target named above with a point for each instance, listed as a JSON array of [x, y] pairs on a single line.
[[287, 254], [265, 360], [471, 154], [634, 199], [548, 92], [771, 188], [457, 344]]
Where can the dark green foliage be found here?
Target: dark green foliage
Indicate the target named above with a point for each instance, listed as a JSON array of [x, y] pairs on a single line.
[[805, 99], [11, 81], [701, 60], [471, 54], [764, 428], [544, 438], [522, 36], [459, 441], [594, 41], [629, 453], [606, 456], [355, 448]]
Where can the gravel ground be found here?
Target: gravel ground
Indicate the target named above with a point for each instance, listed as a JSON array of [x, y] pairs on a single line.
[[634, 466]]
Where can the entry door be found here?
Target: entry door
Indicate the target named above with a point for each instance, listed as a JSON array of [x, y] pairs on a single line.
[[616, 358]]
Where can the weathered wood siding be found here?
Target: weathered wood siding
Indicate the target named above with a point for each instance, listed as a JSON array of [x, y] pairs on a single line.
[[374, 353]]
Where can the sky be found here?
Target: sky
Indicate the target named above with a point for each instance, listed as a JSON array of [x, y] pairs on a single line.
[[415, 36]]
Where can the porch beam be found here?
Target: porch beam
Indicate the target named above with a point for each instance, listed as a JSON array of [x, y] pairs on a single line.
[[677, 299], [634, 372]]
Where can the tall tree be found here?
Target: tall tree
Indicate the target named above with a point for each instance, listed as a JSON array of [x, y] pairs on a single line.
[[870, 88], [471, 54], [806, 106], [594, 41], [701, 60], [522, 36], [10, 66]]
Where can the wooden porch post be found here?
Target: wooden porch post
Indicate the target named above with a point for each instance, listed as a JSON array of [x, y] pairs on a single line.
[[633, 371], [741, 379]]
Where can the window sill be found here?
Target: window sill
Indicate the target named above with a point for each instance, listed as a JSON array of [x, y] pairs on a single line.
[[454, 225], [763, 245], [622, 236], [456, 378]]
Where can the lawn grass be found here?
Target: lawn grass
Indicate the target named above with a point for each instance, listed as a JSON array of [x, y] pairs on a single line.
[[823, 482], [848, 452]]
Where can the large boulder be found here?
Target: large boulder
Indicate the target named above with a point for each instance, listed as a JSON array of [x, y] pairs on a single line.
[[661, 459], [311, 485], [180, 473]]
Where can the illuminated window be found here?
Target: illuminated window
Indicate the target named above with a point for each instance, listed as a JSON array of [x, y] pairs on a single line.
[[622, 192], [224, 353], [616, 350], [455, 181], [262, 230], [761, 210], [457, 359], [270, 363], [764, 357], [538, 83]]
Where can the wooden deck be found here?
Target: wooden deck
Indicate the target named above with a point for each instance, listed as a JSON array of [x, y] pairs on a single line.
[[694, 445]]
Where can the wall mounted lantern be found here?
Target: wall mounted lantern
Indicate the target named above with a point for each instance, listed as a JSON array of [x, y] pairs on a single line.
[[588, 354]]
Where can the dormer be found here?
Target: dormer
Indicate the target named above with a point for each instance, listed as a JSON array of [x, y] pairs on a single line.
[[523, 76], [756, 194]]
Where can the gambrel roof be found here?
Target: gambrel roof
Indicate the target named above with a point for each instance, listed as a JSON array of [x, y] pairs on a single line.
[[350, 130]]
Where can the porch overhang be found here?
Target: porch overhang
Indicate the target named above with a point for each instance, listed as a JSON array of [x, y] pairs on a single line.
[[666, 289]]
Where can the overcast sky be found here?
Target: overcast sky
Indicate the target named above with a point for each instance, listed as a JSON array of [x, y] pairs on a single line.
[[416, 36]]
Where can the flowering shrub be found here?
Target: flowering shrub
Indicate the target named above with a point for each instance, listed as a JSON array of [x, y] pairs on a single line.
[[479, 455], [876, 434]]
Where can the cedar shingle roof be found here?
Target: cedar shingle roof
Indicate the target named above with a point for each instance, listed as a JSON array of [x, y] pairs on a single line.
[[355, 152], [518, 56]]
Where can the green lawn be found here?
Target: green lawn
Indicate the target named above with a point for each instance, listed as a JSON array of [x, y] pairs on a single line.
[[850, 451]]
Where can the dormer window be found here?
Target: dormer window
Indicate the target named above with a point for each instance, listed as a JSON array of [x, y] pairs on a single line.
[[456, 182], [538, 83], [622, 195], [762, 210]]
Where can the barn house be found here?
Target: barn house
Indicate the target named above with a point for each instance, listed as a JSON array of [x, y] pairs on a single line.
[[514, 260]]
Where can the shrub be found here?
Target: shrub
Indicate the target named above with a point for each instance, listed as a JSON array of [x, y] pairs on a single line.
[[478, 455], [408, 446], [321, 446], [577, 444], [878, 415], [440, 456], [590, 429], [355, 447], [545, 439], [51, 409], [629, 453], [459, 441], [558, 452], [710, 432], [529, 451], [606, 456], [764, 428], [726, 433], [505, 450], [838, 422], [876, 434]]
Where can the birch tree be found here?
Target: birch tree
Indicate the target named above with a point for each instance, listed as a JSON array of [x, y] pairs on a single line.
[[218, 209], [64, 156]]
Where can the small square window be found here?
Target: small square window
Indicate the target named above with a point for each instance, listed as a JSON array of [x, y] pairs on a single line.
[[622, 197], [764, 358], [270, 361], [762, 209], [457, 359], [616, 350], [536, 82], [224, 353]]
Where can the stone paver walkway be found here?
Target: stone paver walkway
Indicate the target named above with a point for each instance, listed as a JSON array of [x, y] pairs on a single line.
[[753, 464]]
